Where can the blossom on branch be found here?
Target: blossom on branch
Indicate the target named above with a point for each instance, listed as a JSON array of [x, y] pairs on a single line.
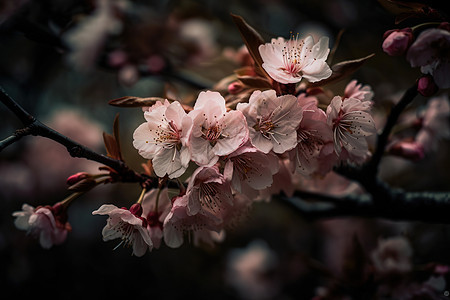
[[47, 223], [351, 126], [215, 132], [272, 121], [288, 61], [430, 52], [127, 225], [163, 138]]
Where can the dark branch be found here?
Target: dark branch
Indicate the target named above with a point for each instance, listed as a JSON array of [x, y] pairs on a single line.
[[35, 127], [428, 207]]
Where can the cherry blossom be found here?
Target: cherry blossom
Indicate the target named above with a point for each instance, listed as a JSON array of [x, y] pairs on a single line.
[[358, 91], [208, 191], [392, 256], [179, 221], [215, 132], [272, 120], [350, 127], [397, 41], [250, 170], [430, 52], [312, 134], [163, 139], [288, 61], [156, 206], [127, 225], [47, 223]]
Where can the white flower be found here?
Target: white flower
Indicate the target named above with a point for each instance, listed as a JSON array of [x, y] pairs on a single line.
[[290, 61], [163, 139], [126, 225]]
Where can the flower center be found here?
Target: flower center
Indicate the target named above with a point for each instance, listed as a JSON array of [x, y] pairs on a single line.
[[168, 136], [264, 126], [209, 196]]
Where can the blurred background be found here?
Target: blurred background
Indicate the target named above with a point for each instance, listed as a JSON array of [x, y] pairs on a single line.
[[63, 60]]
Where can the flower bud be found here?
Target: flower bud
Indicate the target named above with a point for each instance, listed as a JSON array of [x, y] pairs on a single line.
[[410, 150], [77, 177], [444, 26], [136, 209], [235, 87], [397, 41], [426, 86]]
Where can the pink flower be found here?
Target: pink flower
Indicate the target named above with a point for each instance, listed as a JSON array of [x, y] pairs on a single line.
[[179, 221], [250, 170], [350, 127], [435, 124], [156, 206], [163, 139], [408, 149], [312, 134], [272, 120], [48, 223], [290, 61], [430, 52], [397, 41], [392, 256], [360, 92], [215, 132], [208, 191], [127, 225]]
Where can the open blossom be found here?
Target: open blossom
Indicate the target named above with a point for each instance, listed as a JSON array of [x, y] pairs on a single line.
[[312, 134], [163, 139], [431, 51], [127, 225], [360, 92], [47, 223], [272, 120], [392, 255], [208, 191], [179, 221], [250, 170], [350, 126], [288, 61], [215, 132]]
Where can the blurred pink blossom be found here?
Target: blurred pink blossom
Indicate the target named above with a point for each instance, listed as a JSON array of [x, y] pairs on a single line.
[[47, 223], [397, 41], [392, 256], [431, 51]]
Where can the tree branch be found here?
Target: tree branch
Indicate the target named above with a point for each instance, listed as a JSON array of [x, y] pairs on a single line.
[[35, 127], [428, 207]]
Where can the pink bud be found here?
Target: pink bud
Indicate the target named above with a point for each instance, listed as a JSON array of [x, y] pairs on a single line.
[[409, 150], [77, 178], [235, 87], [136, 209], [444, 26], [397, 41], [426, 86]]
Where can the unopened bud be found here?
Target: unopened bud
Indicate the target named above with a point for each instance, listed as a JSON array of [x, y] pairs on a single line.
[[426, 86], [409, 150], [136, 209], [444, 26], [235, 87], [397, 41], [77, 177]]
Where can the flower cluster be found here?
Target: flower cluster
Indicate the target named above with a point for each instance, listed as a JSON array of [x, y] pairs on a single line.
[[233, 157]]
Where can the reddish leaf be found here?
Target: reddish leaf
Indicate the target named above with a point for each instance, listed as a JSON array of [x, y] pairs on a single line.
[[252, 40], [131, 101], [112, 149], [342, 70], [255, 82], [116, 135]]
